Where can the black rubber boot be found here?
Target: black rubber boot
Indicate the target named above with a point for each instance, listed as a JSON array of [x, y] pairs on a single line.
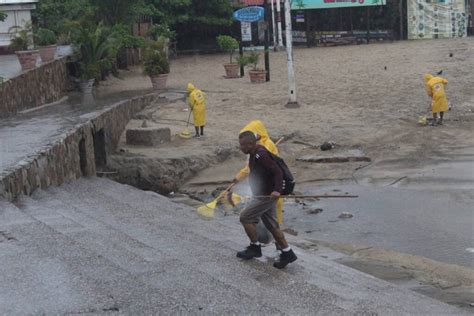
[[252, 251], [286, 257]]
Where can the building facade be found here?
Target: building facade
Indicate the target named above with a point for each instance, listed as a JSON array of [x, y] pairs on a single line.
[[18, 14]]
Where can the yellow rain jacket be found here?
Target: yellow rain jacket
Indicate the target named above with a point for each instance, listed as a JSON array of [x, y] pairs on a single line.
[[197, 103], [258, 128], [435, 89]]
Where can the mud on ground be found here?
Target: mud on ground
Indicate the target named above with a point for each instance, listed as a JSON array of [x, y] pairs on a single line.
[[366, 97], [346, 96]]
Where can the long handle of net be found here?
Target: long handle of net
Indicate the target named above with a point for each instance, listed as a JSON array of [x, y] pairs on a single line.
[[306, 196]]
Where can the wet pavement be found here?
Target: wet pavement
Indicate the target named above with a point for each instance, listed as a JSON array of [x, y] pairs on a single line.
[[426, 211], [30, 131], [437, 224], [94, 246], [9, 66]]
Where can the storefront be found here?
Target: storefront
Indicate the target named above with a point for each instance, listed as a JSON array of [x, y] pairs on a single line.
[[338, 22]]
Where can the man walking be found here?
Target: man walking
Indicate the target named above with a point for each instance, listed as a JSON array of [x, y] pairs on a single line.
[[266, 182]]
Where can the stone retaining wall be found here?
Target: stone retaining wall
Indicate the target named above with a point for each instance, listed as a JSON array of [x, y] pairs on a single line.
[[33, 88], [73, 155]]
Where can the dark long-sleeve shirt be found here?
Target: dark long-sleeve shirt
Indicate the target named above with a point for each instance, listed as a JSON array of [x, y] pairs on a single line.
[[265, 175]]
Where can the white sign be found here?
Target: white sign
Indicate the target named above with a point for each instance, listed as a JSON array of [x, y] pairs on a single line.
[[246, 31], [436, 19]]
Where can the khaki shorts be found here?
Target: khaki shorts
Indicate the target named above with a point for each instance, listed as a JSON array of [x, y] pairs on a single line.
[[260, 208]]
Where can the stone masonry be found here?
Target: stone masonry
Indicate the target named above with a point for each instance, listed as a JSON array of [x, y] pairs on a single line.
[[34, 87], [74, 154]]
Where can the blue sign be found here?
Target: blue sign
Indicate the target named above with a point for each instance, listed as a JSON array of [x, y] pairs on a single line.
[[249, 14]]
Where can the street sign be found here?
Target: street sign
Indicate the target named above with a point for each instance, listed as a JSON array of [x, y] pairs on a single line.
[[249, 14], [246, 31]]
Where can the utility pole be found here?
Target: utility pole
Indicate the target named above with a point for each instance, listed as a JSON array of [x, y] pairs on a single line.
[[267, 39], [292, 103], [275, 44], [368, 25], [278, 18], [401, 19], [241, 51]]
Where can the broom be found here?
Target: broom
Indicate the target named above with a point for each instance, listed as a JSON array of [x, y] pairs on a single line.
[[207, 210], [186, 133]]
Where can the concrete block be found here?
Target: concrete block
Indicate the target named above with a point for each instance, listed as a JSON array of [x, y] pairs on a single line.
[[148, 136]]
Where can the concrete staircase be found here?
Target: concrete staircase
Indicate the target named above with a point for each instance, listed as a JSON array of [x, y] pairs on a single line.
[[95, 246]]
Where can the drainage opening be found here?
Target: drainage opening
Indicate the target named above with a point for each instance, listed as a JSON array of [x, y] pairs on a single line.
[[99, 149], [83, 156]]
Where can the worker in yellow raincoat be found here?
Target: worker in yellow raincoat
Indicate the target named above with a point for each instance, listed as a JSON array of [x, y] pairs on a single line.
[[435, 89], [197, 103], [259, 129]]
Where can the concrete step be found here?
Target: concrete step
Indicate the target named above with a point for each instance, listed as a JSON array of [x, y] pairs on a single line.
[[229, 232], [44, 272], [119, 248], [335, 278], [10, 215], [356, 287], [154, 255], [167, 287], [205, 256]]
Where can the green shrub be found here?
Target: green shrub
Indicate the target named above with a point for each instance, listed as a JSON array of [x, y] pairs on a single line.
[[21, 38], [158, 31], [155, 58], [252, 59], [19, 43], [228, 44], [45, 37], [242, 61], [98, 48], [131, 41], [89, 71], [124, 37]]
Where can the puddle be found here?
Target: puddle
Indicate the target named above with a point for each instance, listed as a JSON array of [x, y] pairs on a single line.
[[436, 225]]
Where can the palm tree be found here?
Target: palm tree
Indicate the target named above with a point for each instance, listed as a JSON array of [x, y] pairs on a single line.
[[98, 51]]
